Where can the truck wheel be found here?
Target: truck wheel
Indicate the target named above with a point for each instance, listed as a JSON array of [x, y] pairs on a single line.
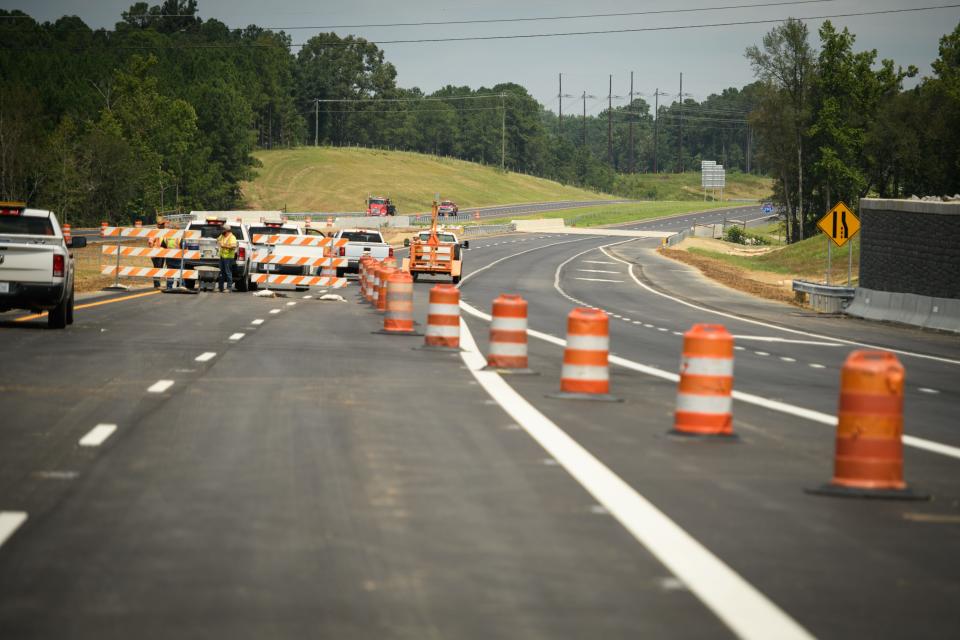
[[456, 252], [243, 284], [190, 284], [455, 279], [57, 318], [339, 273], [415, 275], [70, 309]]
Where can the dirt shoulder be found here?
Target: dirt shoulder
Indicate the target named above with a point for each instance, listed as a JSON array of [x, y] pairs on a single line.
[[772, 286]]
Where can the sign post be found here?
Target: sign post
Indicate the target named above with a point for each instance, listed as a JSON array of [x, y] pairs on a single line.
[[839, 224]]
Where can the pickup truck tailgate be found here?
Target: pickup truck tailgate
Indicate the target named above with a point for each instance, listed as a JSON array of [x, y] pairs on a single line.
[[26, 260]]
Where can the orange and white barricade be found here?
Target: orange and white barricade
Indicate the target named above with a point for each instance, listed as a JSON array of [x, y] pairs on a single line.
[[297, 241], [585, 374], [121, 271], [868, 459], [141, 232], [704, 393], [398, 312], [149, 252], [298, 281], [443, 318], [508, 335], [328, 267], [300, 261], [147, 272]]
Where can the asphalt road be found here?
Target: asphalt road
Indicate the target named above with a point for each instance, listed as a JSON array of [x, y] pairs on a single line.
[[314, 479]]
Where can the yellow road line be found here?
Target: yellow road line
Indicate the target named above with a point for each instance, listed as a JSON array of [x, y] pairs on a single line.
[[88, 305]]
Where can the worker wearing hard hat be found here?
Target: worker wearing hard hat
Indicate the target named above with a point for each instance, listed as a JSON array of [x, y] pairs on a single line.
[[228, 253], [156, 242]]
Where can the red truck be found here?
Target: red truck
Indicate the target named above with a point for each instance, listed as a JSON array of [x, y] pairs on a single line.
[[380, 206]]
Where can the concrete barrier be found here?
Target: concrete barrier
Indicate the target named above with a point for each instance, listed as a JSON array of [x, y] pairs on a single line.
[[546, 224], [942, 314]]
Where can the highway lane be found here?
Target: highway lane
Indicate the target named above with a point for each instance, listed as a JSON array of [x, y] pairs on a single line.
[[745, 501], [310, 479]]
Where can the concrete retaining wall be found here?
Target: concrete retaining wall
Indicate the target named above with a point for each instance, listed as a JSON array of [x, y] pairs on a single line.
[[909, 263]]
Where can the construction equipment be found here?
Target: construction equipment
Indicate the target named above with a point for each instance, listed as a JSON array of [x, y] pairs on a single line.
[[435, 254]]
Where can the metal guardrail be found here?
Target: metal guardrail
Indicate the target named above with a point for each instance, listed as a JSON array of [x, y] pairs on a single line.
[[824, 298], [676, 238]]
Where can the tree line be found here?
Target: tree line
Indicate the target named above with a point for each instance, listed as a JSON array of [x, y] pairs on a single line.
[[165, 111]]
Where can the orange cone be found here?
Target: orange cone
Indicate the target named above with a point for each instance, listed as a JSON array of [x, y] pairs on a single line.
[[704, 393], [398, 316], [586, 371], [443, 318], [508, 335], [868, 462], [384, 274]]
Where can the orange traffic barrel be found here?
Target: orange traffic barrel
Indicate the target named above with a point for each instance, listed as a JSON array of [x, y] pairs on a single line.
[[390, 261], [508, 335], [328, 270], [585, 374], [103, 225], [705, 391], [476, 215], [363, 273], [67, 234], [868, 462], [443, 318], [375, 269], [398, 316], [308, 220], [384, 273]]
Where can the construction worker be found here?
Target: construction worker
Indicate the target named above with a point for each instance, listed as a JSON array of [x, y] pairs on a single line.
[[172, 263], [228, 253], [157, 243]]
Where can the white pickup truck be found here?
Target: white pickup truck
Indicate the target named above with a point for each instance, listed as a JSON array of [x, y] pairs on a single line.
[[36, 266], [361, 242]]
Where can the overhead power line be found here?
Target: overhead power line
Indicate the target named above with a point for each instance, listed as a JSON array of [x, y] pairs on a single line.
[[526, 36]]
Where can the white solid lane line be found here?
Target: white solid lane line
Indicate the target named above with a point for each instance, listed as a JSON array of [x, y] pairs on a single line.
[[749, 398], [767, 324], [744, 609], [206, 356], [815, 343], [597, 280], [160, 386], [598, 261], [237, 336], [599, 271], [98, 435], [10, 521], [258, 321]]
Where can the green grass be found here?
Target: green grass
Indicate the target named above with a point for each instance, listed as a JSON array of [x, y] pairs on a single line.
[[805, 258], [614, 213], [333, 179], [686, 186]]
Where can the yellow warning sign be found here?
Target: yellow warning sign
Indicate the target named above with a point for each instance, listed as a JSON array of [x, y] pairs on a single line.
[[840, 224]]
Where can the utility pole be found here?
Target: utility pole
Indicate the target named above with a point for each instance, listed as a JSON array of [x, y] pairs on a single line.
[[610, 122], [316, 121], [680, 148], [656, 125], [503, 132], [584, 119], [560, 108], [630, 116]]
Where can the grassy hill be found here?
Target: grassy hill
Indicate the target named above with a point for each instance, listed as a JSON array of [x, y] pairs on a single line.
[[329, 179]]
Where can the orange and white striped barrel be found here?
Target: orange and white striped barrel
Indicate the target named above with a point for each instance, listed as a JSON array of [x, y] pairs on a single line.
[[443, 317], [868, 461], [329, 221], [385, 272], [368, 294], [138, 224], [362, 266], [67, 234], [399, 308], [704, 393], [329, 267], [375, 269], [103, 226], [390, 261], [586, 368], [508, 333]]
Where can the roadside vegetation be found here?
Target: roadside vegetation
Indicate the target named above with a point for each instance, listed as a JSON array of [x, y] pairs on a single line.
[[600, 215]]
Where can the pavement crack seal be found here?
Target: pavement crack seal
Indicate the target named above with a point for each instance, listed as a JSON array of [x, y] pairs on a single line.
[[739, 605], [749, 398]]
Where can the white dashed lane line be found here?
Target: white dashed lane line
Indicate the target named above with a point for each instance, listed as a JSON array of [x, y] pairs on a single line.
[[160, 386], [206, 356], [788, 359], [275, 310], [98, 435], [258, 321], [761, 353], [291, 303], [237, 336], [814, 365], [927, 390], [10, 521]]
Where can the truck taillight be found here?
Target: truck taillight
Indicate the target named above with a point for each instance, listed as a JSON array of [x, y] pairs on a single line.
[[241, 254], [343, 251], [58, 262], [391, 252]]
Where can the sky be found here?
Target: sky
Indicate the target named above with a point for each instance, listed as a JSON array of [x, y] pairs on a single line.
[[710, 58]]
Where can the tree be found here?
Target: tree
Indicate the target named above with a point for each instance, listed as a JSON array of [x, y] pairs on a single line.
[[786, 64]]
